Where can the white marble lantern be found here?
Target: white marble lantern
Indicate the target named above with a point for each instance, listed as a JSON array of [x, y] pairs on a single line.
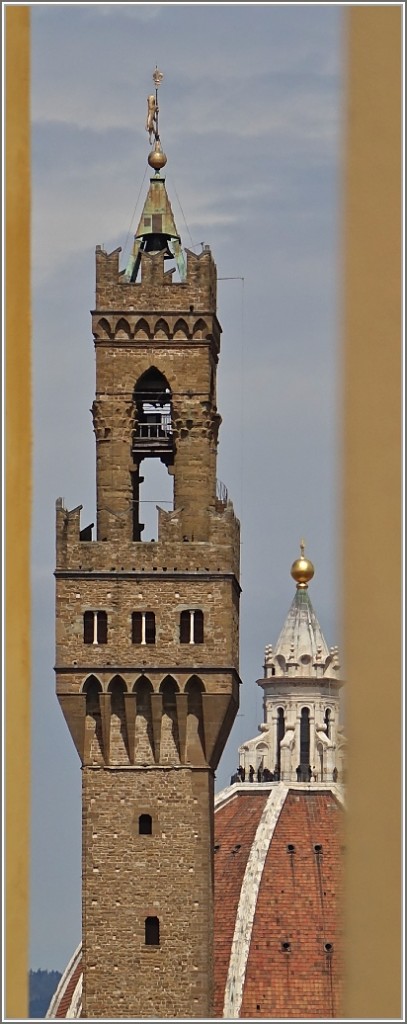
[[300, 739]]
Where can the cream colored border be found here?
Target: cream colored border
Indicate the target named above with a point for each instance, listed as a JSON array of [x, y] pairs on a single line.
[[17, 506], [372, 510]]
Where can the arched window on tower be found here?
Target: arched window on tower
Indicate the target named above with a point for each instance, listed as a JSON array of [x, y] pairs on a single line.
[[152, 444], [152, 931], [327, 720], [153, 426]]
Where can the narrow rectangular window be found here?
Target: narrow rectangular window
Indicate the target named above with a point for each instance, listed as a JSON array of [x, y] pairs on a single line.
[[198, 627], [150, 627], [101, 627], [88, 627], [152, 931], [136, 628], [185, 627]]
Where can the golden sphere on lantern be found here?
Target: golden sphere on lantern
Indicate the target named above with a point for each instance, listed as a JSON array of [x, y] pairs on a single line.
[[157, 159], [302, 570]]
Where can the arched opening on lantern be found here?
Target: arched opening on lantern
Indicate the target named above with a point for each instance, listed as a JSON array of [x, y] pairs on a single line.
[[304, 744]]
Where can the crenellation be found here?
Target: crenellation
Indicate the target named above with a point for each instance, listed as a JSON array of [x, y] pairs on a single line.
[[171, 553], [156, 289]]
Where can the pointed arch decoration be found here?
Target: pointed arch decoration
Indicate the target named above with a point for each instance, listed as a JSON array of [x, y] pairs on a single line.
[[93, 747], [91, 685], [169, 745], [144, 740], [195, 725], [161, 330], [103, 329], [180, 330], [119, 745], [200, 329], [122, 329], [169, 687], [142, 330], [143, 688]]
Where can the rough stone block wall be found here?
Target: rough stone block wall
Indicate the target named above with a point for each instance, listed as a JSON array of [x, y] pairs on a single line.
[[163, 596], [188, 370], [128, 877]]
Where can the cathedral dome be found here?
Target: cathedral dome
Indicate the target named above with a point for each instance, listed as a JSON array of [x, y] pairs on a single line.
[[277, 901]]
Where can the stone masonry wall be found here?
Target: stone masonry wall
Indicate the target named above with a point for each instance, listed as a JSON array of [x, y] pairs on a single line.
[[164, 596], [189, 372], [128, 877]]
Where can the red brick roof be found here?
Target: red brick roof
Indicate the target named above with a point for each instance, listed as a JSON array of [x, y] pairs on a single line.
[[297, 902]]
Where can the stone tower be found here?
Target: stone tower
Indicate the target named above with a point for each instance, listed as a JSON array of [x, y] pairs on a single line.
[[147, 632], [301, 687]]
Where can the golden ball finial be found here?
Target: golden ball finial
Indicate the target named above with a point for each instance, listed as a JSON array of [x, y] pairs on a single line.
[[302, 570], [157, 159]]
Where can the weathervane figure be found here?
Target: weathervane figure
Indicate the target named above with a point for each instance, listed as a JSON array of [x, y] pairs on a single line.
[[152, 108], [151, 123]]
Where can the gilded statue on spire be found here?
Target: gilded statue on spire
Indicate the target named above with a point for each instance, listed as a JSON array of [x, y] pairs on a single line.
[[152, 107], [157, 159], [151, 123]]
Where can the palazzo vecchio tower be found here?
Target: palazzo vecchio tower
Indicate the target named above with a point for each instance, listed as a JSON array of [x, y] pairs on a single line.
[[147, 632]]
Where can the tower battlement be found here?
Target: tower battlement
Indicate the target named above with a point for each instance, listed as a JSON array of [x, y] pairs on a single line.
[[171, 552], [198, 290]]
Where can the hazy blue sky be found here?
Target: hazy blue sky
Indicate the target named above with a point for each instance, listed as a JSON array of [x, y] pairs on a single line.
[[251, 114]]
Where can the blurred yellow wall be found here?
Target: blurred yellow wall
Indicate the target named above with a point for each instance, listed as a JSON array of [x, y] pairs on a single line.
[[17, 507], [372, 508]]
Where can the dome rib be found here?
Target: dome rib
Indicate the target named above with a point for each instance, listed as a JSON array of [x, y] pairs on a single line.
[[248, 900]]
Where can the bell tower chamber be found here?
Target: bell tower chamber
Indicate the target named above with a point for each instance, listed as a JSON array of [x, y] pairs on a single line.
[[147, 632]]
